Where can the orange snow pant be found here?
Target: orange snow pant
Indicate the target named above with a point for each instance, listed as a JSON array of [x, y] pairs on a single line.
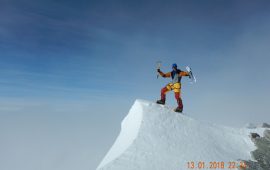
[[176, 87]]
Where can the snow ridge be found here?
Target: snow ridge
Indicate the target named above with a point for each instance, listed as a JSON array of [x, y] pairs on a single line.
[[153, 137]]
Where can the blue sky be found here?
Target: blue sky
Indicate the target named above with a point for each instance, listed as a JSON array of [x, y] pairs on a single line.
[[69, 66]]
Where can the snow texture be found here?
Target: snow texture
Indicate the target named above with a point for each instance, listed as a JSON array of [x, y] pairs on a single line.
[[153, 137]]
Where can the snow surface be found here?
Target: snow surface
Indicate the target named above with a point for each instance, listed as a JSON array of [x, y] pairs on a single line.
[[153, 137]]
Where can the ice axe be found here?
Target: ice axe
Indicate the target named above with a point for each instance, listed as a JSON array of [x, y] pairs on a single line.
[[158, 67], [191, 75]]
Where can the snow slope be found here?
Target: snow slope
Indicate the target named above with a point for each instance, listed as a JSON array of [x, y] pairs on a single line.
[[153, 137]]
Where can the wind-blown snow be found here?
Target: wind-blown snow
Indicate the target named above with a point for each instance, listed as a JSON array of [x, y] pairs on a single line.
[[153, 137]]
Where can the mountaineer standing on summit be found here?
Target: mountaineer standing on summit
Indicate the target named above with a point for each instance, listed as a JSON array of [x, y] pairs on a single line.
[[175, 85]]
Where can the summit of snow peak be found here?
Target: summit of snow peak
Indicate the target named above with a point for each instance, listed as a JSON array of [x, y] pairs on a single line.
[[153, 137]]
